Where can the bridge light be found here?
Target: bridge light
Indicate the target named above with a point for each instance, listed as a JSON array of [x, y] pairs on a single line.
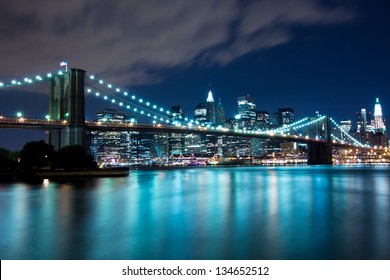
[[142, 112], [13, 82], [154, 106], [47, 117], [140, 100], [109, 86], [113, 100], [101, 82], [92, 77], [39, 78], [89, 90], [49, 75], [135, 109], [147, 103], [120, 104], [168, 112], [125, 93], [19, 114], [128, 107], [1, 84], [60, 72], [133, 97], [161, 109], [97, 94], [105, 97], [118, 90]]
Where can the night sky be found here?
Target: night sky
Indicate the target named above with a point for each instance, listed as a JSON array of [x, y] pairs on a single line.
[[331, 56]]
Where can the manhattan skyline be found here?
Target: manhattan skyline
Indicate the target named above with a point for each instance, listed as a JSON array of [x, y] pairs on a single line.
[[327, 56]]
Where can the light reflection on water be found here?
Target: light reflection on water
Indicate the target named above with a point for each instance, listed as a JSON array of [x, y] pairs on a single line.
[[202, 213]]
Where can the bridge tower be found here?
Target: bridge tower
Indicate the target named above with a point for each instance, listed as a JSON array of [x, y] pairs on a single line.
[[67, 104], [321, 152]]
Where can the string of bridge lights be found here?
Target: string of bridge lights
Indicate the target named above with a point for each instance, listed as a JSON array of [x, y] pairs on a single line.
[[347, 134], [28, 80], [297, 125], [138, 105], [336, 138]]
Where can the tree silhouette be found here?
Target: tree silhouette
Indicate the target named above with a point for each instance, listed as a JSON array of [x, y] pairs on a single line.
[[36, 155], [7, 160], [73, 158]]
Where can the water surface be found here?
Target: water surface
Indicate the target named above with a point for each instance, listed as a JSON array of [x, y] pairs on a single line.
[[202, 213]]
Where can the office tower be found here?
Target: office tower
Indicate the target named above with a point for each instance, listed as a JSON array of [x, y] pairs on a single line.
[[262, 120], [210, 108], [200, 113], [111, 147], [286, 115], [345, 126], [246, 107], [362, 121], [220, 114], [177, 115], [275, 120], [378, 118]]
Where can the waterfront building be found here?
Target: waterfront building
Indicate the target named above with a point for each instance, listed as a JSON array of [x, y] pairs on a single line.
[[111, 147]]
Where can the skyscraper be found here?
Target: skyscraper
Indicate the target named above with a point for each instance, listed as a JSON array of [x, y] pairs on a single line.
[[262, 120], [286, 115], [200, 113], [211, 107], [177, 114], [378, 118], [111, 147], [246, 107], [220, 114], [362, 121]]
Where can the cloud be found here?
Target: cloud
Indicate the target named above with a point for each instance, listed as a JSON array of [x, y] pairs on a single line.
[[130, 41]]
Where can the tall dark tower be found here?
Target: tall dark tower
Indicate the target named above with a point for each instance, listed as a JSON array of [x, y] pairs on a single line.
[[220, 114], [67, 104], [210, 107]]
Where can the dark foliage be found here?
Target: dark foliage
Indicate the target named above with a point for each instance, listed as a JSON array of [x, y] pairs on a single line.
[[73, 158], [36, 155], [8, 160]]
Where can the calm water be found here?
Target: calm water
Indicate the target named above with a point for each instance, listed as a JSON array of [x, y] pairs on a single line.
[[203, 213]]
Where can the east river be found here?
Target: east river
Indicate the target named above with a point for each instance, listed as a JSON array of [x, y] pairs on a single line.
[[305, 212]]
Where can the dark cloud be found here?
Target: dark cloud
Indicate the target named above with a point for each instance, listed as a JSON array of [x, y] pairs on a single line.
[[123, 40]]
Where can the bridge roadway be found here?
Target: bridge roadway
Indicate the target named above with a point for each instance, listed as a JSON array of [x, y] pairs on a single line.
[[24, 123]]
